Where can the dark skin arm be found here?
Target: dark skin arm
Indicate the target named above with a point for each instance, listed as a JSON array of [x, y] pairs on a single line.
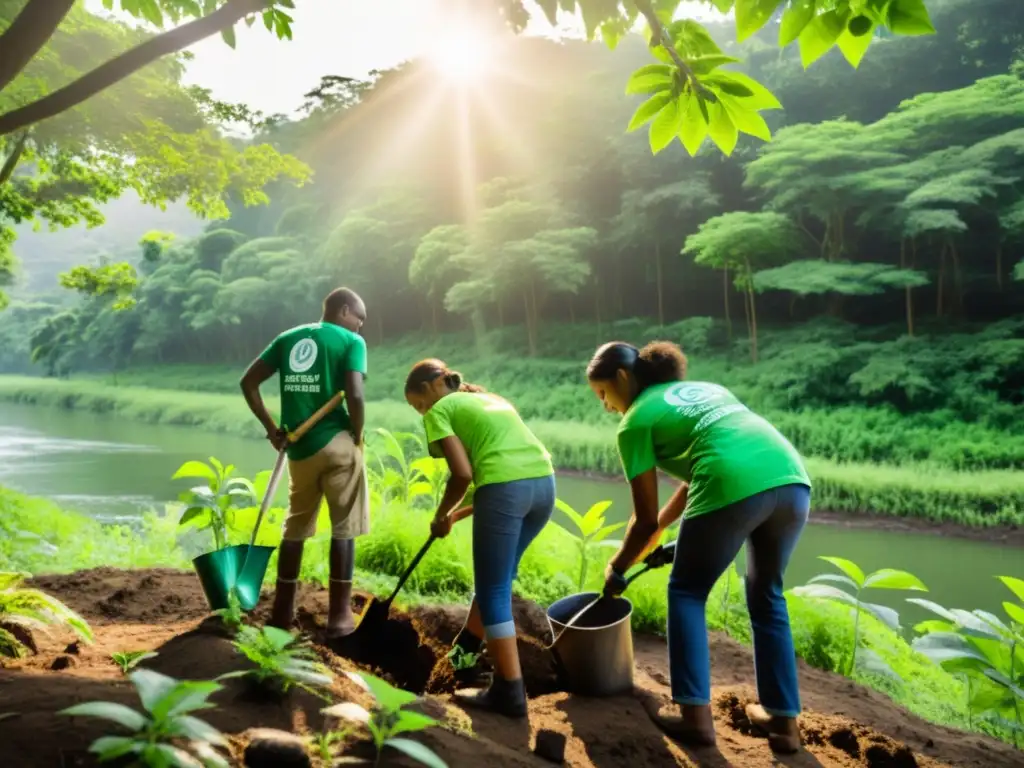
[[356, 404], [257, 373], [458, 483], [671, 512], [643, 525]]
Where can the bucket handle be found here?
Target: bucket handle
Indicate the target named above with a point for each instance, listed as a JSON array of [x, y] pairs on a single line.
[[275, 476]]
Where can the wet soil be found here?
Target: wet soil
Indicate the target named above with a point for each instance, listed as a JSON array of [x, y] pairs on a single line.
[[845, 724]]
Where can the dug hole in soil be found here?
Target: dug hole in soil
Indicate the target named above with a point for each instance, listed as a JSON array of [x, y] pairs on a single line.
[[844, 723]]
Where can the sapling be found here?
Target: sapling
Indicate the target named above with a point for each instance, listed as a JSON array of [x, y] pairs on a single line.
[[212, 506], [282, 661], [461, 659], [855, 579], [388, 719], [128, 660], [155, 736], [232, 616], [592, 533], [34, 611]]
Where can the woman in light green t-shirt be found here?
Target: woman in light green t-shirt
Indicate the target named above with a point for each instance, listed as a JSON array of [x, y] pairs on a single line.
[[486, 443], [742, 481]]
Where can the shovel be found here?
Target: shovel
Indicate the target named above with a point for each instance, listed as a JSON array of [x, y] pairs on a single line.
[[241, 568], [375, 614], [656, 559]]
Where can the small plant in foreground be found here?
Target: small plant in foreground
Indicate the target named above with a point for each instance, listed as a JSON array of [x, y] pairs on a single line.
[[462, 659], [128, 660], [154, 736], [854, 578], [232, 616], [592, 533], [325, 741], [212, 506], [32, 610], [282, 660], [986, 651], [389, 718]]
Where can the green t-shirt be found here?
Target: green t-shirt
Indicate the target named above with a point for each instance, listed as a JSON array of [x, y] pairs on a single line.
[[500, 446], [311, 361], [702, 434]]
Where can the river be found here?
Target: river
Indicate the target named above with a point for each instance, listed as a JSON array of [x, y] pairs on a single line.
[[112, 468]]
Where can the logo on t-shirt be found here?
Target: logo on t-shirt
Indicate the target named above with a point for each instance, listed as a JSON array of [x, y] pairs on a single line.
[[302, 356], [685, 394]]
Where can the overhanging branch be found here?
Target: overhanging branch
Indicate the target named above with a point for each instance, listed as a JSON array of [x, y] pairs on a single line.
[[129, 62], [12, 159], [28, 33]]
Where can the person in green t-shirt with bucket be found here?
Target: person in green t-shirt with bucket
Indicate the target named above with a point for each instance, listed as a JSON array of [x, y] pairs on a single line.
[[486, 443], [315, 362], [742, 481]]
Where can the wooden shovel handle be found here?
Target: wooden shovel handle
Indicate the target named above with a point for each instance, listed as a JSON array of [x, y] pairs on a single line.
[[308, 424]]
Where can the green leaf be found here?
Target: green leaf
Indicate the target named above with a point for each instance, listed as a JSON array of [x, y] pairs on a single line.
[[195, 469], [417, 751], [196, 516], [651, 78], [825, 592], [820, 35], [703, 65], [595, 515], [760, 98], [603, 533], [1003, 680], [112, 747], [738, 90], [853, 47], [883, 613], [794, 20], [848, 567], [347, 710], [751, 15], [409, 721], [209, 756], [1015, 612], [835, 578], [228, 35], [935, 608], [169, 755], [279, 638], [909, 17], [194, 729], [571, 513], [108, 710], [722, 129], [648, 109], [1015, 585], [890, 578], [693, 129], [388, 697]]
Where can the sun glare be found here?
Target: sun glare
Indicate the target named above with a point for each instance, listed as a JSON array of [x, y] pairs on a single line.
[[461, 55]]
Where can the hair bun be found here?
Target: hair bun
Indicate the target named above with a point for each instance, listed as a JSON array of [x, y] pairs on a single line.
[[453, 379]]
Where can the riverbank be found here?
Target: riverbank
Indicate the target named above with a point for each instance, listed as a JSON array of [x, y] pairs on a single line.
[[38, 537], [991, 500]]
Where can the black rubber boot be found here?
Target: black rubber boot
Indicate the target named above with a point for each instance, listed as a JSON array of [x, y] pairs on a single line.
[[506, 697]]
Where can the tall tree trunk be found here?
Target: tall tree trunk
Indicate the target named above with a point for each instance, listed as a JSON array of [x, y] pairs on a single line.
[[908, 290], [11, 162], [725, 293], [658, 284], [999, 267], [753, 326]]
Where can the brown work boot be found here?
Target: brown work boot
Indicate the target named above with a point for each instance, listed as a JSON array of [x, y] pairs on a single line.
[[686, 723], [783, 732]]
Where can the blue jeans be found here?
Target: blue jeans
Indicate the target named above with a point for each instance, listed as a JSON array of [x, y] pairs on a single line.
[[770, 523], [506, 518]]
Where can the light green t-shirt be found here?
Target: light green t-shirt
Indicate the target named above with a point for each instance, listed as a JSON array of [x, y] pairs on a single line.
[[311, 361], [500, 446], [702, 434]]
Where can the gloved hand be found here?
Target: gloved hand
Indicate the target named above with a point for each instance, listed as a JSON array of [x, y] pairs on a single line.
[[662, 555]]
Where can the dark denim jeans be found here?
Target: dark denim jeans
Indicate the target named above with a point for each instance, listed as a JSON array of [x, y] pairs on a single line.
[[770, 523], [506, 518]]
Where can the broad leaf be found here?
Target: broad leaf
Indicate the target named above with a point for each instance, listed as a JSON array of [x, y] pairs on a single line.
[[825, 592], [848, 567], [648, 109], [909, 17], [196, 516], [152, 688], [883, 613], [703, 65], [949, 648], [195, 469], [595, 515], [722, 130], [409, 721], [869, 660], [112, 747], [278, 638], [835, 578], [934, 608], [209, 756], [1015, 585], [571, 513], [417, 751], [797, 16], [1014, 611], [759, 98], [194, 729], [388, 697], [649, 83], [603, 533], [820, 35], [854, 47], [348, 710], [693, 130], [108, 710], [751, 15], [998, 677], [890, 578]]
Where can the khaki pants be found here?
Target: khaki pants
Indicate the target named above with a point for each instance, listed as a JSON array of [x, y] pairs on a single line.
[[335, 472]]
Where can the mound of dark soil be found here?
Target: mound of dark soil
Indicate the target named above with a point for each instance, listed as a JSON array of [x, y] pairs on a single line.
[[846, 725]]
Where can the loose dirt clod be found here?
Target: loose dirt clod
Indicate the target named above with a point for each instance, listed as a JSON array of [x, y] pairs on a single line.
[[550, 746]]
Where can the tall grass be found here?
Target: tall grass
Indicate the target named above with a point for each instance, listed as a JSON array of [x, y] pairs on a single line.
[[547, 573], [981, 499]]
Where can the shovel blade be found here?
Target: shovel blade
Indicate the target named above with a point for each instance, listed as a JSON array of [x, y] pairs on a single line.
[[227, 569]]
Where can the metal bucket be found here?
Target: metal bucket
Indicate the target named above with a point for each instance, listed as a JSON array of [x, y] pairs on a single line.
[[594, 656]]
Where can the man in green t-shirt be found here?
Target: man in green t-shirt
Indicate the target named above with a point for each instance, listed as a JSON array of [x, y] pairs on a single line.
[[314, 363]]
